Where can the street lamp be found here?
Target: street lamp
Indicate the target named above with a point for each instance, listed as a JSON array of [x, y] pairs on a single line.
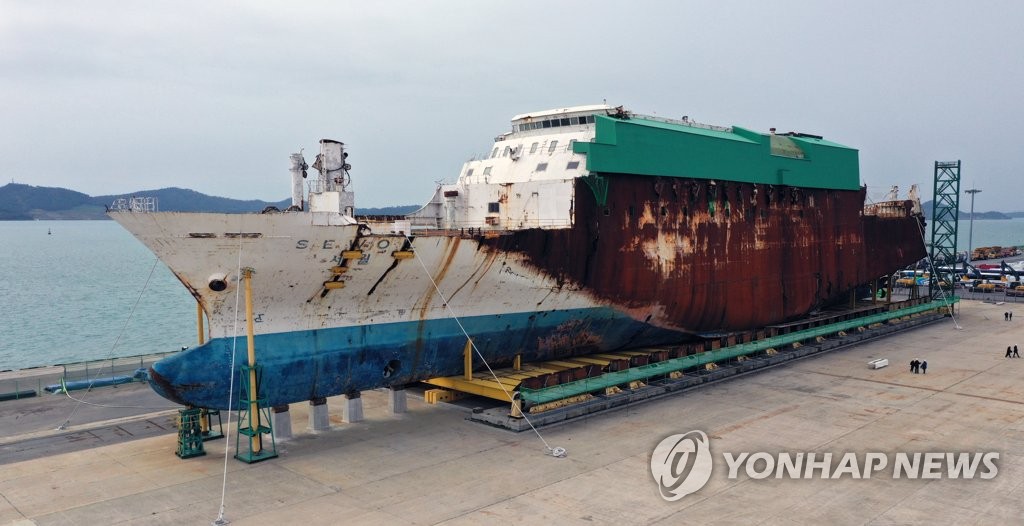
[[970, 229]]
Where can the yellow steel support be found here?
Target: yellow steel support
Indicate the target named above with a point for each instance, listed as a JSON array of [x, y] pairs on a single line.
[[565, 364], [333, 285], [609, 356], [435, 396], [477, 386], [403, 254], [592, 361], [630, 354], [338, 269], [199, 323], [352, 254], [517, 409], [254, 410], [518, 363], [467, 357]]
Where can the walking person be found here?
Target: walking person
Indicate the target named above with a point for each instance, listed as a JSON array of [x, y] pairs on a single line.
[[1009, 352], [912, 365], [924, 367], [1006, 316], [1011, 316], [1015, 353]]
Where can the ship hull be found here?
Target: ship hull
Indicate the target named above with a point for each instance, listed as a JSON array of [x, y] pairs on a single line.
[[660, 261], [307, 365]]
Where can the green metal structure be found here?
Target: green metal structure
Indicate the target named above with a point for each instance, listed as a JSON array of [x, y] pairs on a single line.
[[945, 214], [645, 372], [209, 432], [645, 146], [253, 426], [190, 435]]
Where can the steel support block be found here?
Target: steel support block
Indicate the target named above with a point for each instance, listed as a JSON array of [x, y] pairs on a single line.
[[397, 400], [318, 419], [353, 410], [282, 422]]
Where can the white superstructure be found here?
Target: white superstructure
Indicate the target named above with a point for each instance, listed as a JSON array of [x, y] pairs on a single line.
[[524, 181]]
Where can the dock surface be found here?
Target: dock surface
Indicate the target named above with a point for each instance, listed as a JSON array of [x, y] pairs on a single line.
[[431, 465]]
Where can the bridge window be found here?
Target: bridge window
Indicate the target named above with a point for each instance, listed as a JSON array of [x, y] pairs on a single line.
[[542, 166], [572, 165], [492, 208], [552, 146], [487, 170], [533, 147], [469, 173], [494, 153]]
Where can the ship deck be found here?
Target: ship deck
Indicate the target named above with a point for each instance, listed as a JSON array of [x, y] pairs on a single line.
[[433, 466]]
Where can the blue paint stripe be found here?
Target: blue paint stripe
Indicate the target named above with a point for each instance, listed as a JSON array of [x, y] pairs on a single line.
[[303, 365]]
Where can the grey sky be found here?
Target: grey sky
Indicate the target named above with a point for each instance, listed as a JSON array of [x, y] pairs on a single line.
[[111, 97]]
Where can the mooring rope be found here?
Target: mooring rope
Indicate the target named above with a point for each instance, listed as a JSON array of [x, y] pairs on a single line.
[[80, 401], [220, 520], [110, 353], [557, 452]]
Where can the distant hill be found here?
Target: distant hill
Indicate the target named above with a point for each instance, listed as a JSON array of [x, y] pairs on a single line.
[[388, 210], [927, 209], [24, 202]]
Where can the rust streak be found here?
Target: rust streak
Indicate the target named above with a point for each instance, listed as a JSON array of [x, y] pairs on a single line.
[[729, 257]]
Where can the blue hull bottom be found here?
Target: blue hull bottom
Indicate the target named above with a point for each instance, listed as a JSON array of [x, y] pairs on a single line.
[[305, 365]]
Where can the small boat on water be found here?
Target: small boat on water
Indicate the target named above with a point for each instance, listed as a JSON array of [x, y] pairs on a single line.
[[582, 229]]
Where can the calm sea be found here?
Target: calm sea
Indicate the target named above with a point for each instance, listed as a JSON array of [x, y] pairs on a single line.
[[66, 296]]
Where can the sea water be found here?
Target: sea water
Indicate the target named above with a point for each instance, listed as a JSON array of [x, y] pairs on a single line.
[[988, 233], [87, 290]]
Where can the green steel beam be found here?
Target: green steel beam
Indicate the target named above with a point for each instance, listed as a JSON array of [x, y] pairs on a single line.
[[597, 383]]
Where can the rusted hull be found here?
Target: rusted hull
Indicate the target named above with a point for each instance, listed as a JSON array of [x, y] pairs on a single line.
[[698, 257]]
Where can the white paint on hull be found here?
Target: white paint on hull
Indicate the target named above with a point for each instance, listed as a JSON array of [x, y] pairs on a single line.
[[292, 258]]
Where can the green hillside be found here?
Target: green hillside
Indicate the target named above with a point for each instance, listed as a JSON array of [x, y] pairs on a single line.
[[21, 202]]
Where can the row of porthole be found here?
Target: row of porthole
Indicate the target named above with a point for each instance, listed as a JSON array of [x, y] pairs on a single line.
[[510, 150], [571, 165]]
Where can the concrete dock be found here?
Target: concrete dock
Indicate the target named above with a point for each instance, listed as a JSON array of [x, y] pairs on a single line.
[[432, 466]]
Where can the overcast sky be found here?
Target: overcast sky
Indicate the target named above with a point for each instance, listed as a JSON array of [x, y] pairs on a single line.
[[114, 97]]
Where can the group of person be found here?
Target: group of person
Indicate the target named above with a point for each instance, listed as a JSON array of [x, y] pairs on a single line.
[[1011, 352], [1007, 316], [917, 366]]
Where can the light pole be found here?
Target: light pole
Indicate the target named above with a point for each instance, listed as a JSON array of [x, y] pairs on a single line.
[[970, 229]]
